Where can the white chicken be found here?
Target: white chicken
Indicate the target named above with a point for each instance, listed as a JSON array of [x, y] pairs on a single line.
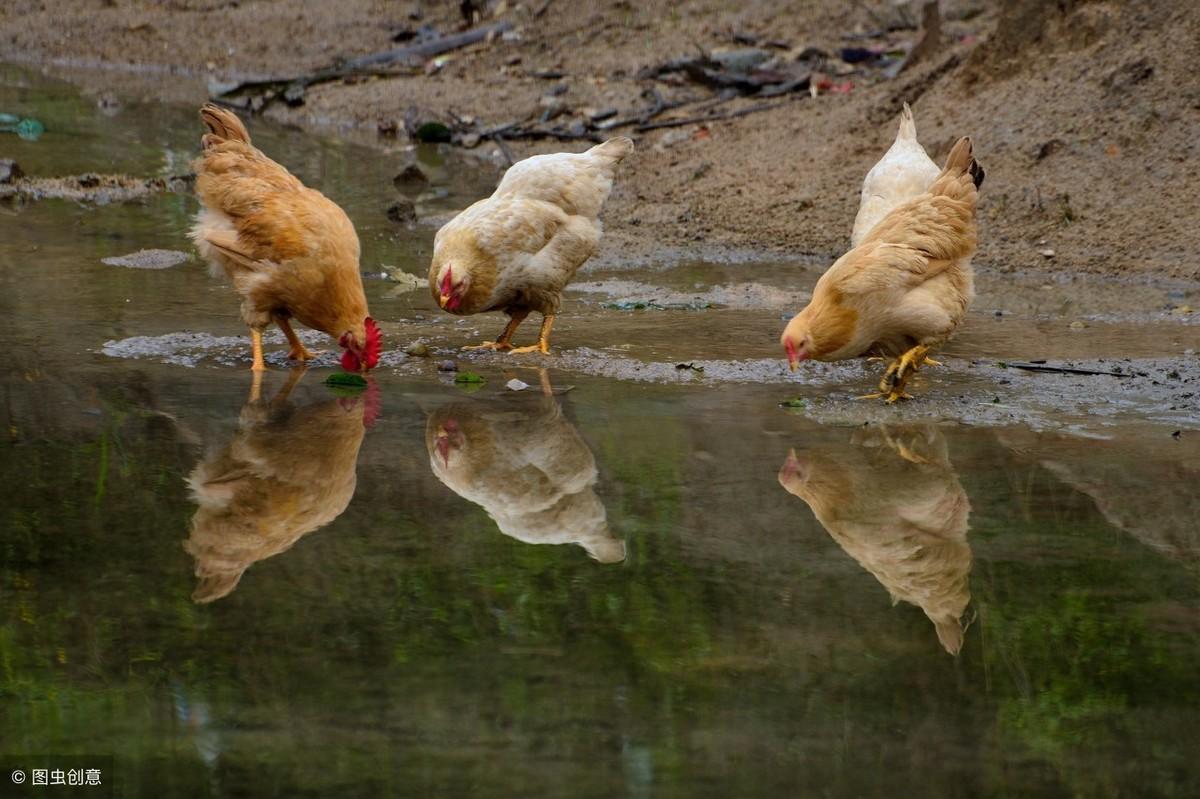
[[516, 250], [904, 172]]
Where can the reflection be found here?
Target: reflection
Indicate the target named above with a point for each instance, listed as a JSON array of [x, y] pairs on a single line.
[[893, 502], [1156, 501], [523, 462], [288, 471]]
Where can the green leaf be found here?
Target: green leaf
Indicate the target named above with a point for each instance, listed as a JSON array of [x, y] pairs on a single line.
[[795, 402], [468, 377]]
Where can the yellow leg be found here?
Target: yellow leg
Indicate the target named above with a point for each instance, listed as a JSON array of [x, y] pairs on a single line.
[[543, 343], [255, 386], [505, 341], [891, 387], [256, 349], [298, 351]]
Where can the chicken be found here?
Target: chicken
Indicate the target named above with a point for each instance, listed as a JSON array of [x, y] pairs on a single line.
[[527, 467], [287, 472], [289, 250], [904, 172], [894, 503], [516, 250], [902, 291]]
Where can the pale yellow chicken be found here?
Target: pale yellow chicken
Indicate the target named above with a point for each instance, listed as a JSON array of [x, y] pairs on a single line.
[[894, 503], [290, 251], [904, 172], [517, 250], [287, 472], [905, 289], [524, 463]]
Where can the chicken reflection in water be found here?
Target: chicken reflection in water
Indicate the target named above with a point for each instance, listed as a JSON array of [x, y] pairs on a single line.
[[288, 471], [893, 502], [522, 461]]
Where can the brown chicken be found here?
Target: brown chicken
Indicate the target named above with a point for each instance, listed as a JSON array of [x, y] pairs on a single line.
[[287, 472], [289, 250], [516, 250], [893, 502], [527, 466], [905, 289]]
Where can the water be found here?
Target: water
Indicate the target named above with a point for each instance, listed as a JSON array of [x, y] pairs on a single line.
[[364, 611]]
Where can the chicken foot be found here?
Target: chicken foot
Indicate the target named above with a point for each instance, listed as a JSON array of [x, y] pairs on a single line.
[[891, 387], [256, 350], [504, 342], [543, 342]]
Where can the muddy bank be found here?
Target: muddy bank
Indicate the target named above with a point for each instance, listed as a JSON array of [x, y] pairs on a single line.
[[1083, 111]]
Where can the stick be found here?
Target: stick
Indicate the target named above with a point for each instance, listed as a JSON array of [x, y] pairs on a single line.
[[741, 112], [1066, 370]]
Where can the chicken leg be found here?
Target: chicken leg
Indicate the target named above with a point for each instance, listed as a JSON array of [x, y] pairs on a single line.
[[505, 341], [891, 387], [256, 350], [298, 352], [543, 342]]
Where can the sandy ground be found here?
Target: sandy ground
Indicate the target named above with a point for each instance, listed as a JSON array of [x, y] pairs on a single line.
[[1085, 113]]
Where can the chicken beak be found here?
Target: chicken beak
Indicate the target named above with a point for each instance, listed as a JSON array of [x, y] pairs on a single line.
[[792, 363], [443, 299]]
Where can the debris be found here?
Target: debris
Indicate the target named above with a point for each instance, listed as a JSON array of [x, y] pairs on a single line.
[[516, 385], [99, 189], [148, 259], [411, 180], [417, 350], [1046, 253], [28, 129], [432, 132], [9, 170], [254, 95], [1181, 310], [1065, 370], [404, 281], [857, 55], [1077, 325], [690, 365], [931, 37], [794, 402], [402, 211], [346, 380], [468, 377], [447, 366], [1178, 434]]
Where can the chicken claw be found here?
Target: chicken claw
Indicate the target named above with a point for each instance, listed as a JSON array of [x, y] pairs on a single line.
[[498, 346], [891, 387], [543, 342], [504, 342]]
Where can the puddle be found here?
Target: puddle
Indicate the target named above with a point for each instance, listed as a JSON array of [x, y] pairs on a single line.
[[650, 581]]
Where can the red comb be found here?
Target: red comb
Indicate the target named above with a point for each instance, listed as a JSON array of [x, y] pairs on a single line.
[[374, 343], [446, 284]]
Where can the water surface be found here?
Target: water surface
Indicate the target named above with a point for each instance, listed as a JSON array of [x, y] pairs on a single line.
[[620, 589]]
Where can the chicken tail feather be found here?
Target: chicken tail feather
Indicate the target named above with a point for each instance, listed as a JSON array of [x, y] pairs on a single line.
[[908, 125], [223, 125], [960, 160], [614, 149]]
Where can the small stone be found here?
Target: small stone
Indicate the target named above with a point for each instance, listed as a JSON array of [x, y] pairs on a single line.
[[417, 350], [1047, 253], [402, 211], [469, 140], [9, 170], [410, 180], [447, 366], [516, 385], [1181, 310], [1077, 325]]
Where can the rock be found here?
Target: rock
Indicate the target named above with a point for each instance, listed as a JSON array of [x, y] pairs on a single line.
[[148, 259], [1046, 253], [9, 170], [410, 180], [516, 385], [447, 366], [1077, 325], [402, 211], [417, 350], [402, 279]]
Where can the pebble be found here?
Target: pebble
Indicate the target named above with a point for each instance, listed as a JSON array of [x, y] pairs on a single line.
[[1047, 253], [417, 350], [447, 366], [516, 385], [1077, 325]]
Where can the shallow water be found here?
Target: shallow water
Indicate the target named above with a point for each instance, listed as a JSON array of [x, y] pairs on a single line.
[[628, 588]]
